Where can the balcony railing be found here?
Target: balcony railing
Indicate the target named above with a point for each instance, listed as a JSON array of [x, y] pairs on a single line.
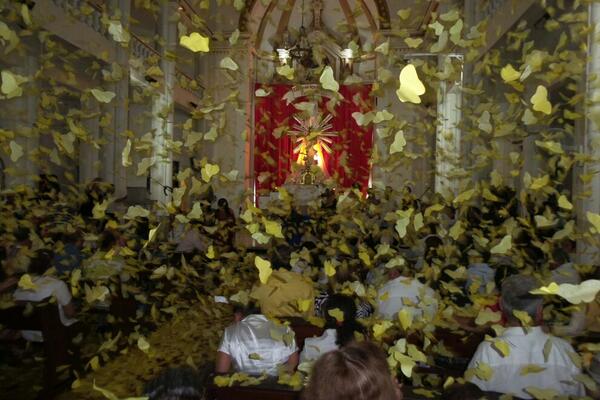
[[93, 19], [139, 48]]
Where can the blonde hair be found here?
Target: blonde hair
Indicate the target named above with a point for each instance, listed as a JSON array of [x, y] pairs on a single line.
[[358, 371]]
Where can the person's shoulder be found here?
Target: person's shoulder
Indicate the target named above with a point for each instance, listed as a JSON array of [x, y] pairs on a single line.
[[560, 343], [48, 280], [485, 352]]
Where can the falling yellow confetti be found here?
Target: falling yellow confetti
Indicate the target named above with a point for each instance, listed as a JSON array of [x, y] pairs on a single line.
[[195, 42], [504, 246], [11, 84], [509, 74], [595, 221], [16, 151], [540, 100], [143, 344], [102, 96], [329, 268], [125, 155], [585, 292], [261, 93], [286, 71], [327, 80], [411, 86], [398, 143], [337, 314], [26, 283], [413, 43], [264, 269], [209, 170], [228, 63]]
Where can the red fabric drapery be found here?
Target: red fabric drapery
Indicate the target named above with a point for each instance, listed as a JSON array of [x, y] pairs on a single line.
[[273, 151]]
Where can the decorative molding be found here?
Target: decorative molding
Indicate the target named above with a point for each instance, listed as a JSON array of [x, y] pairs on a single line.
[[382, 9]]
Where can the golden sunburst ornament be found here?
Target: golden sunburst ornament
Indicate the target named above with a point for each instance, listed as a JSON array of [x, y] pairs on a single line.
[[313, 132]]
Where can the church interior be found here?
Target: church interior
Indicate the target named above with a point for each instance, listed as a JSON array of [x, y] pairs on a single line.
[[299, 199]]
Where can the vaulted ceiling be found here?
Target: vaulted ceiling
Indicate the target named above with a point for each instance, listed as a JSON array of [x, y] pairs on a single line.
[[343, 20]]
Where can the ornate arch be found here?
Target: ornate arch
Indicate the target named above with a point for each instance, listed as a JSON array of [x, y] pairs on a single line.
[[382, 9]]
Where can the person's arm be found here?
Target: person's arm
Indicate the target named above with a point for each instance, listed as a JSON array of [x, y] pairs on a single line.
[[8, 284], [70, 310], [292, 361], [223, 363], [64, 299]]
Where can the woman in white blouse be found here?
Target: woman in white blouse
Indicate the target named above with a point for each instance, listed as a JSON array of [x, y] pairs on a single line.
[[337, 333]]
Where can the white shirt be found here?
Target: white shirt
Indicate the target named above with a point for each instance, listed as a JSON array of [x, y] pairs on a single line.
[[316, 347], [406, 293], [252, 347], [527, 349], [46, 286]]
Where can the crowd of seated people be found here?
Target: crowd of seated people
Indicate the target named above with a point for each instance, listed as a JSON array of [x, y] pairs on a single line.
[[352, 262]]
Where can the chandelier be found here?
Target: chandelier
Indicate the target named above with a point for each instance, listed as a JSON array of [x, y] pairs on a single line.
[[300, 50]]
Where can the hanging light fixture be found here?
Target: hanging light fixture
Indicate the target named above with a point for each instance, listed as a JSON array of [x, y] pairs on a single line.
[[297, 50]]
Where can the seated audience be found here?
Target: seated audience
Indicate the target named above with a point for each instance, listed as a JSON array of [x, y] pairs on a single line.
[[256, 345], [68, 256], [106, 262], [183, 383], [337, 333], [342, 276], [402, 292], [358, 371], [44, 288], [526, 348]]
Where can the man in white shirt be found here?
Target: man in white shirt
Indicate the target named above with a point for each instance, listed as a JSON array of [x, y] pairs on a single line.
[[44, 288], [534, 359], [256, 345], [402, 292]]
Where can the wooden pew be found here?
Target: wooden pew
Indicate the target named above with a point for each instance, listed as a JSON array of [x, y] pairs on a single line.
[[268, 390], [57, 340], [303, 330]]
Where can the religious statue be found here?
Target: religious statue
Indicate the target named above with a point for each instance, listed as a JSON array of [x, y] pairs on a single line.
[[313, 140]]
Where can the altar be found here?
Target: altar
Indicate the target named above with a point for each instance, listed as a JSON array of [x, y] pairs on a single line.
[[303, 195]]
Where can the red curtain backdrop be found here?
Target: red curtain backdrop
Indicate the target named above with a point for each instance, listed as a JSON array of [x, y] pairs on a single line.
[[273, 151]]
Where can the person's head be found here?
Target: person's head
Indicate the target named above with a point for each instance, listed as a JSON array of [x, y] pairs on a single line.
[[108, 240], [466, 391], [503, 271], [559, 257], [40, 262], [358, 371], [516, 297], [241, 311], [182, 383], [345, 329], [21, 234], [222, 203]]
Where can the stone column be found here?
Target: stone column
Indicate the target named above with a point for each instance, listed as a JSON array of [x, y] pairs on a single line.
[[163, 107], [19, 115], [114, 170], [589, 142], [89, 155], [448, 135]]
